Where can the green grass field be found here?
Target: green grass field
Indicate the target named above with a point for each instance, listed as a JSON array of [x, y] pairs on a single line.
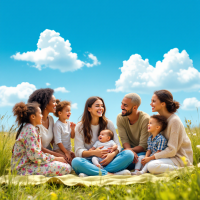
[[187, 186]]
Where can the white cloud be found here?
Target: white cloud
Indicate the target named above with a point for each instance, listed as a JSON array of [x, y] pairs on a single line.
[[190, 104], [61, 89], [74, 106], [175, 72], [54, 52], [11, 95], [48, 84], [95, 61]]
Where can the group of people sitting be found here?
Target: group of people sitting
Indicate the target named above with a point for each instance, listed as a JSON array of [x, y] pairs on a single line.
[[153, 144]]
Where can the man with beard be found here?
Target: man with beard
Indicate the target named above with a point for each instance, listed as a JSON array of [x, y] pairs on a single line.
[[132, 126]]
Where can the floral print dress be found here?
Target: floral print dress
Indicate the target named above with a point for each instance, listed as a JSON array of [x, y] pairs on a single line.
[[28, 159]]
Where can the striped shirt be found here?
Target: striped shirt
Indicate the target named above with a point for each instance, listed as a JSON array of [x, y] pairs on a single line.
[[157, 143]]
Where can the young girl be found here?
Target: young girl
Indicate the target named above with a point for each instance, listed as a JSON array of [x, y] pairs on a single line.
[[64, 130], [27, 157]]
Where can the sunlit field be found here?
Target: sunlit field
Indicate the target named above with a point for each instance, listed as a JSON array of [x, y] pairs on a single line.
[[187, 186]]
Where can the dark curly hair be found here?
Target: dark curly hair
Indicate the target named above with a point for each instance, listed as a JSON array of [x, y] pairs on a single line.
[[23, 112], [60, 105], [161, 120], [42, 96]]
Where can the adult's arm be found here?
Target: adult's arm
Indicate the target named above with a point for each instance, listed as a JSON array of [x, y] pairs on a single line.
[[51, 152], [176, 133], [122, 133], [142, 146]]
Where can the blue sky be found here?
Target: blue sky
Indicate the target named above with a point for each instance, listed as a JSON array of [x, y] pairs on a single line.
[[86, 46]]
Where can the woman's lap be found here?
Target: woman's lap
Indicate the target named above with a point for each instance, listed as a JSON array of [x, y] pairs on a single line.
[[120, 162], [161, 165]]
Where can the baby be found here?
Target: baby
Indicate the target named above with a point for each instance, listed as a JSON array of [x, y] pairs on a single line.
[[156, 143], [105, 140], [63, 130]]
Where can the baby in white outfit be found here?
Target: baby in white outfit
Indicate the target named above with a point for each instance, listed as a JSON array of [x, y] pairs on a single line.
[[106, 142]]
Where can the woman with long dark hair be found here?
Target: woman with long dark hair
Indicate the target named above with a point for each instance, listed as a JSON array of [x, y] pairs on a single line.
[[179, 149], [86, 134]]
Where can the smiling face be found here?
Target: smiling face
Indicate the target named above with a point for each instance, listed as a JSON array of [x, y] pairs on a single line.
[[156, 104], [103, 136], [153, 126], [126, 106], [97, 109], [51, 106], [65, 113]]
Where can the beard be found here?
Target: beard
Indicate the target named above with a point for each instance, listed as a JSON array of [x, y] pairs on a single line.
[[128, 112]]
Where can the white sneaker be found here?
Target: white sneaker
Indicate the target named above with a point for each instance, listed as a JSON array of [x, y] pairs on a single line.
[[140, 172], [133, 173], [82, 175], [123, 172]]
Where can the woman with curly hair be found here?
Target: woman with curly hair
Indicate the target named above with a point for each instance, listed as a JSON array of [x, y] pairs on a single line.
[[86, 134], [179, 145], [47, 102], [27, 157]]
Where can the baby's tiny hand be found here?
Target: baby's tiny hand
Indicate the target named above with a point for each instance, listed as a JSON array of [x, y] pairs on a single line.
[[72, 125]]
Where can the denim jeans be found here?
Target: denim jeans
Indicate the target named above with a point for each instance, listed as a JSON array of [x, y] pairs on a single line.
[[121, 161]]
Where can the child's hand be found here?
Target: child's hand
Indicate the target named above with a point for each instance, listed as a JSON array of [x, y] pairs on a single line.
[[68, 155], [145, 160], [72, 125]]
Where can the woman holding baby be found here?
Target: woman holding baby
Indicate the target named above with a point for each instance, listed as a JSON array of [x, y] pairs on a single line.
[[86, 134]]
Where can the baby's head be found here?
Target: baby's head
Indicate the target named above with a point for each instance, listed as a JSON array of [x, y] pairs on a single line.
[[157, 123], [105, 135], [63, 109]]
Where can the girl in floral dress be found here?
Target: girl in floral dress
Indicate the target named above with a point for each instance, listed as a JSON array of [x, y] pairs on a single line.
[[27, 157]]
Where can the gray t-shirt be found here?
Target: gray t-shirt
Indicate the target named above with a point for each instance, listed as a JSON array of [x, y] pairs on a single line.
[[62, 134]]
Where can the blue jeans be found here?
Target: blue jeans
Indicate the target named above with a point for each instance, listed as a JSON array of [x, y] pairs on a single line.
[[121, 161]]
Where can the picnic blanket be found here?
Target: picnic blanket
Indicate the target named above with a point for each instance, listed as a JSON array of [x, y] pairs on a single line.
[[74, 180]]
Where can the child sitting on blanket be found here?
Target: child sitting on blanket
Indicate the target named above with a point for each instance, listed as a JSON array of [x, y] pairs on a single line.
[[105, 140], [156, 143], [64, 130]]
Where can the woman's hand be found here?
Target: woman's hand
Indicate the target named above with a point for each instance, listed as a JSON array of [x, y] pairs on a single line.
[[60, 159], [99, 152], [108, 159]]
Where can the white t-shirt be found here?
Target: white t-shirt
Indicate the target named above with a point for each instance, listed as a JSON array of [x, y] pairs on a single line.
[[47, 134], [79, 143], [105, 145], [62, 134]]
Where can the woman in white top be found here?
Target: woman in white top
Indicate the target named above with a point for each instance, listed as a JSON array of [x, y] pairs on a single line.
[[47, 102], [86, 134]]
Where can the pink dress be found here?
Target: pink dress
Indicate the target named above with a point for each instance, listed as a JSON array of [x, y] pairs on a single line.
[[28, 159]]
